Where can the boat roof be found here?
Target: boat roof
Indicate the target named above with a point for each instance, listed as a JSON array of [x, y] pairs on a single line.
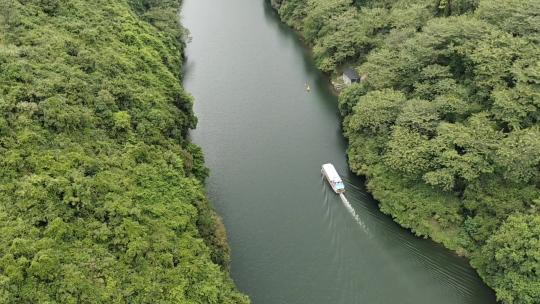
[[351, 73], [331, 172]]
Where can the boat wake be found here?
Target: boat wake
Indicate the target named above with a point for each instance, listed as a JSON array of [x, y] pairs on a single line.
[[353, 213]]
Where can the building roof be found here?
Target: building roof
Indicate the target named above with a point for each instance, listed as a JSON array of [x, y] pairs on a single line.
[[351, 73]]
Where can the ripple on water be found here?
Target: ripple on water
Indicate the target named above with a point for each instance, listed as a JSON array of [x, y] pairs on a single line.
[[457, 277]]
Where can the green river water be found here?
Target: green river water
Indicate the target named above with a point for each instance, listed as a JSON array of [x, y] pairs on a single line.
[[264, 137]]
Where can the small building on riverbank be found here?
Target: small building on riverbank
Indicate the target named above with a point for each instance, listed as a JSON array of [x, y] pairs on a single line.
[[350, 76]]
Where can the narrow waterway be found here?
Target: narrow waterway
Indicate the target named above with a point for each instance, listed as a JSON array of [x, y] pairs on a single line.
[[293, 240]]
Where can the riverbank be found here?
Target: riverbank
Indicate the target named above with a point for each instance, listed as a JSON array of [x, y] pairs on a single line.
[[102, 197], [429, 127]]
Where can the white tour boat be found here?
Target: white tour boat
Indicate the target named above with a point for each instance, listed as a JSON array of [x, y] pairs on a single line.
[[333, 178]]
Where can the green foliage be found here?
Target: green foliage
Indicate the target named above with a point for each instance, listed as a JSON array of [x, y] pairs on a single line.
[[446, 124], [122, 120], [101, 195], [349, 97], [409, 152], [519, 156], [376, 112], [514, 250], [454, 7], [518, 17], [8, 14]]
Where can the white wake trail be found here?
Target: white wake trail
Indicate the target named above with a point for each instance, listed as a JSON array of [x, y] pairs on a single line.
[[353, 213]]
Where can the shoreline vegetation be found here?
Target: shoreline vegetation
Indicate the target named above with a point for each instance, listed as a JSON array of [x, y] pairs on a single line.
[[446, 122], [102, 197]]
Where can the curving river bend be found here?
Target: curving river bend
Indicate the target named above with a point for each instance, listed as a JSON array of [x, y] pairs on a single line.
[[265, 138]]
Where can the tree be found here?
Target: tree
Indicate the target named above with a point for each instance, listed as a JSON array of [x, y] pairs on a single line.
[[510, 260], [409, 152], [376, 111], [519, 155], [518, 17], [8, 13]]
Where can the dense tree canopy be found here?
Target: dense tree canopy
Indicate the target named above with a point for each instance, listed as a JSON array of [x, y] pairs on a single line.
[[446, 122], [514, 250], [101, 195]]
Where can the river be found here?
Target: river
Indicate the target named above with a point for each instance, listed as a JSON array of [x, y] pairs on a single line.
[[265, 137]]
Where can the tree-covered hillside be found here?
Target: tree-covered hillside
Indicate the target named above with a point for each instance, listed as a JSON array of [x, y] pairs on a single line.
[[446, 123], [101, 195]]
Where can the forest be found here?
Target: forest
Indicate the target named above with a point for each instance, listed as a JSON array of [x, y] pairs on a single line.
[[101, 194], [445, 124]]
